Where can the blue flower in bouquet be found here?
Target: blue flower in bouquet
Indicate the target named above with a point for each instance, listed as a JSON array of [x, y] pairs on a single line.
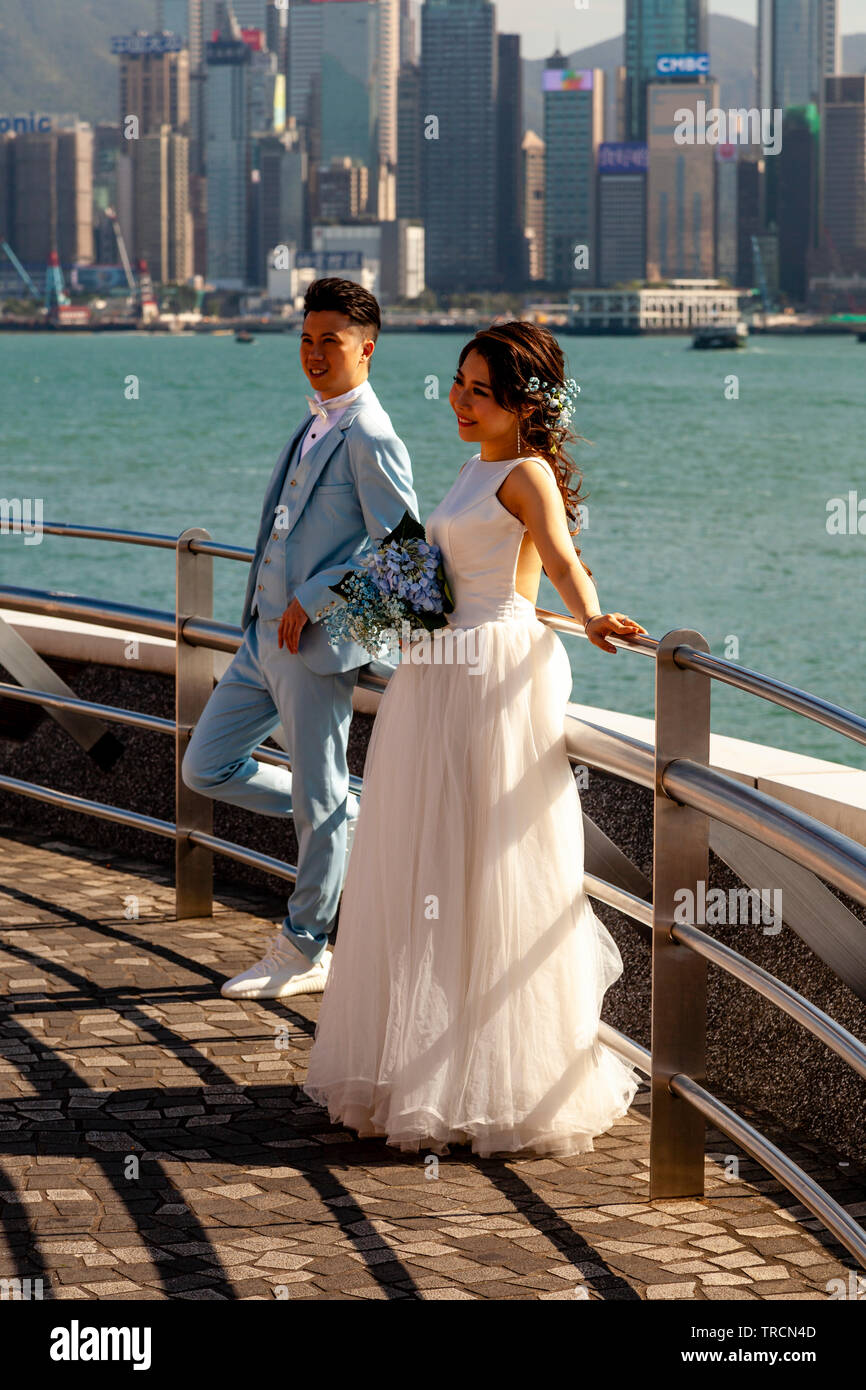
[[401, 581]]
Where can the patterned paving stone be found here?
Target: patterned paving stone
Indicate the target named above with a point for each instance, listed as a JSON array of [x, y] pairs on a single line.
[[155, 1142]]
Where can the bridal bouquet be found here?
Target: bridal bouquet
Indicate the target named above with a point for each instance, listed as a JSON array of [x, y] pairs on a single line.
[[401, 582]]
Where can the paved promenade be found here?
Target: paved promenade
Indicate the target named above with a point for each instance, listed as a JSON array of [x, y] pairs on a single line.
[[155, 1143]]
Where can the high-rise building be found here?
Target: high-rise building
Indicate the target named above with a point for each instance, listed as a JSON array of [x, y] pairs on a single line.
[[282, 160], [52, 196], [336, 51], [163, 224], [459, 90], [844, 211], [797, 198], [154, 167], [654, 28], [409, 141], [227, 158], [154, 87], [622, 179], [106, 152], [533, 202], [798, 45], [408, 31], [512, 259], [342, 191], [186, 18], [573, 129], [751, 192], [680, 186]]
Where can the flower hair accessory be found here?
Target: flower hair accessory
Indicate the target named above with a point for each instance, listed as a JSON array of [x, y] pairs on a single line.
[[561, 399]]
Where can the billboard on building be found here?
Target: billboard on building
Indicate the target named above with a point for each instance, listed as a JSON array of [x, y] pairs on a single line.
[[567, 80], [623, 157], [147, 43], [682, 64]]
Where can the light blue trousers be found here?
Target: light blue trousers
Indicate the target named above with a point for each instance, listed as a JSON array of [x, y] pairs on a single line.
[[264, 686]]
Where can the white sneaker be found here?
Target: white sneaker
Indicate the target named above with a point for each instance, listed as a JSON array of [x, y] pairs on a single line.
[[283, 971]]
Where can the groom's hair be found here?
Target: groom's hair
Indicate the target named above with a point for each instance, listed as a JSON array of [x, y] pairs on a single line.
[[345, 297]]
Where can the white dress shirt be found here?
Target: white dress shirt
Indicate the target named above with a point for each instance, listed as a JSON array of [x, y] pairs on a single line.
[[335, 409]]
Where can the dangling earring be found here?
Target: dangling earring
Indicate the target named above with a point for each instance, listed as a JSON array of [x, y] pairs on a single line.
[[518, 436]]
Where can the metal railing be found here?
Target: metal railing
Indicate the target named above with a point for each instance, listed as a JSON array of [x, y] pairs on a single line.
[[687, 795]]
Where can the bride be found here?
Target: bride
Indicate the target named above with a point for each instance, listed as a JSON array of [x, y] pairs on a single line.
[[463, 998]]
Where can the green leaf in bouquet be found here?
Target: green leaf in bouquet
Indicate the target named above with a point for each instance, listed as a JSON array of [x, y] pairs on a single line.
[[342, 586], [447, 596], [432, 621], [407, 529]]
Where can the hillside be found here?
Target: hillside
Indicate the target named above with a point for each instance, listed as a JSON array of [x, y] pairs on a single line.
[[56, 56]]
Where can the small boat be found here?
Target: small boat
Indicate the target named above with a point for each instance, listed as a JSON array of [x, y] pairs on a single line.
[[725, 335], [242, 336]]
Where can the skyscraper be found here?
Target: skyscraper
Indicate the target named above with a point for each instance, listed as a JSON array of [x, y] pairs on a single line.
[[343, 64], [408, 31], [154, 167], [844, 221], [533, 192], [573, 130], [280, 217], [227, 156], [622, 178], [653, 28], [52, 195], [154, 87], [797, 198], [409, 141], [512, 260], [680, 187], [459, 90], [798, 45], [163, 225]]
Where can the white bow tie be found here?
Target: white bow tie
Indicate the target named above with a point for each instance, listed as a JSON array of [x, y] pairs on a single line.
[[317, 409]]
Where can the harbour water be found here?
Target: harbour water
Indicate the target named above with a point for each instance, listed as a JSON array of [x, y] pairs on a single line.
[[707, 497]]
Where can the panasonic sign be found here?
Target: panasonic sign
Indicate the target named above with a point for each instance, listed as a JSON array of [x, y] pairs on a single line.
[[682, 64]]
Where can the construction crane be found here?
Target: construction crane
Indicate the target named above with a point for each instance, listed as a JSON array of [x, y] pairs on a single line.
[[141, 290], [31, 288]]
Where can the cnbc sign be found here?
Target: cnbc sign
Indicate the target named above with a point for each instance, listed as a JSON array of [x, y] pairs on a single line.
[[682, 64]]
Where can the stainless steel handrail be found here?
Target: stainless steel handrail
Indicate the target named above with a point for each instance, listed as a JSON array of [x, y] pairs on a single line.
[[776, 692], [686, 782]]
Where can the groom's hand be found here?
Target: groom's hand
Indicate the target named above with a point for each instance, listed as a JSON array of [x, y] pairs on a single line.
[[290, 626]]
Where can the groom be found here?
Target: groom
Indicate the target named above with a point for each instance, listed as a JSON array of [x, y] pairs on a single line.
[[343, 480]]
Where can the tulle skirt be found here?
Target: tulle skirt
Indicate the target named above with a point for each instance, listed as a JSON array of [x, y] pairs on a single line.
[[469, 969]]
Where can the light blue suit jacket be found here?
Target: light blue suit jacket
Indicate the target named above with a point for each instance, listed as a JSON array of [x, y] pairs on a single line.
[[354, 487]]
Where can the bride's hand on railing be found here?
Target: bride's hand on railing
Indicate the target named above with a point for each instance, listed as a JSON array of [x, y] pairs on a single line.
[[601, 625]]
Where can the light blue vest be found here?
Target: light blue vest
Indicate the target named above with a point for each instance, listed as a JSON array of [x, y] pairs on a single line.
[[271, 596]]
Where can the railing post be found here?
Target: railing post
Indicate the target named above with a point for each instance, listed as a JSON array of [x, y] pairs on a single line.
[[193, 686], [679, 975]]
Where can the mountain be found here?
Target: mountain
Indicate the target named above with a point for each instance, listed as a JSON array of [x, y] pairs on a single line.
[[56, 57]]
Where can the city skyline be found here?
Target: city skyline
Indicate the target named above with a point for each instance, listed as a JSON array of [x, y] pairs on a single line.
[[605, 19]]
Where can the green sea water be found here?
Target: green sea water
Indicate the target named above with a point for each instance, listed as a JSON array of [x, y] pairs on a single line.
[[707, 504]]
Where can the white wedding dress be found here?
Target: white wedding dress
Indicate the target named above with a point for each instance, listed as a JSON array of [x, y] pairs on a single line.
[[469, 968]]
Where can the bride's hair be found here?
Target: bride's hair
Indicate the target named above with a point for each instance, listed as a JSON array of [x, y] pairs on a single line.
[[515, 353]]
